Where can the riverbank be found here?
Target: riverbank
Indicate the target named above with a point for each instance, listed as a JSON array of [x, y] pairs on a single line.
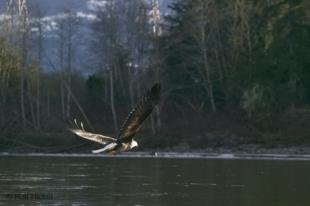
[[73, 145], [288, 133], [85, 149], [173, 155]]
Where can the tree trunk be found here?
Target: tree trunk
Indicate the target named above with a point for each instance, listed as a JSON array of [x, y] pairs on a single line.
[[39, 76], [209, 85], [33, 116], [69, 59], [48, 104], [68, 108], [62, 76], [62, 95], [38, 103], [22, 80], [209, 82], [112, 100]]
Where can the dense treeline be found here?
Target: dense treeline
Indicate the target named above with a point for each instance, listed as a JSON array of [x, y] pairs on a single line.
[[240, 54], [233, 72], [246, 59]]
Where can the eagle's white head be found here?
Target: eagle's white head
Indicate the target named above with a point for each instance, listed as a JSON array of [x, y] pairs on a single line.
[[133, 144]]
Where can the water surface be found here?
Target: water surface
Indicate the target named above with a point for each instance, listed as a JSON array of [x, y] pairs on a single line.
[[56, 180]]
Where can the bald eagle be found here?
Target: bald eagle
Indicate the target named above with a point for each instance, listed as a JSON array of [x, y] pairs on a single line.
[[130, 127]]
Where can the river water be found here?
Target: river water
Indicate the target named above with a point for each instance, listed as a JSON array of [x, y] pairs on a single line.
[[78, 180]]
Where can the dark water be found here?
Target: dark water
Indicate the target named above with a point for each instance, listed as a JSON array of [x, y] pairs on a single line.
[[58, 180]]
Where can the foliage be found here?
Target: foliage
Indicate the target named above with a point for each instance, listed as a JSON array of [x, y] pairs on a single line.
[[269, 50], [252, 100], [233, 58]]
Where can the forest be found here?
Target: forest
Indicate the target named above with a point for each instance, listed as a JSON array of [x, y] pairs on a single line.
[[235, 75]]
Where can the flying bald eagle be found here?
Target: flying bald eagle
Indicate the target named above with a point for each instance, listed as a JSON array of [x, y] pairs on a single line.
[[130, 127]]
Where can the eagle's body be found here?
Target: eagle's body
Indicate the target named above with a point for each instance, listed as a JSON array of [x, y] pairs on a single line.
[[131, 126], [113, 147]]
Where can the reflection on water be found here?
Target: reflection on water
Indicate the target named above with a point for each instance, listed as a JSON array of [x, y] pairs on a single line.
[[59, 180]]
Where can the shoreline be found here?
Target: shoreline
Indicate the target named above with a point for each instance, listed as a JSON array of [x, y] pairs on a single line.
[[171, 155]]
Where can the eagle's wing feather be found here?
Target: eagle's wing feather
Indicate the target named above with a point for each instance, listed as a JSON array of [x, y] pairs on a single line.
[[142, 110], [99, 138]]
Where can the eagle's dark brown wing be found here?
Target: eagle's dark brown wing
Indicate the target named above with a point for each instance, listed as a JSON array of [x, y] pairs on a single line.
[[142, 110]]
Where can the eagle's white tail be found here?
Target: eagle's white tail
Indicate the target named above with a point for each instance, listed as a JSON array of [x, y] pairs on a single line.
[[108, 147]]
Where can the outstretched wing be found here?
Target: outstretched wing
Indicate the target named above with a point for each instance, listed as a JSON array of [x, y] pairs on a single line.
[[92, 136], [142, 110]]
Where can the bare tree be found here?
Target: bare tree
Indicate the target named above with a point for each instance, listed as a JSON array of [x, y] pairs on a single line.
[[38, 39], [241, 39], [155, 18], [122, 40], [105, 41], [18, 35], [8, 71], [202, 30], [67, 30], [137, 41]]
